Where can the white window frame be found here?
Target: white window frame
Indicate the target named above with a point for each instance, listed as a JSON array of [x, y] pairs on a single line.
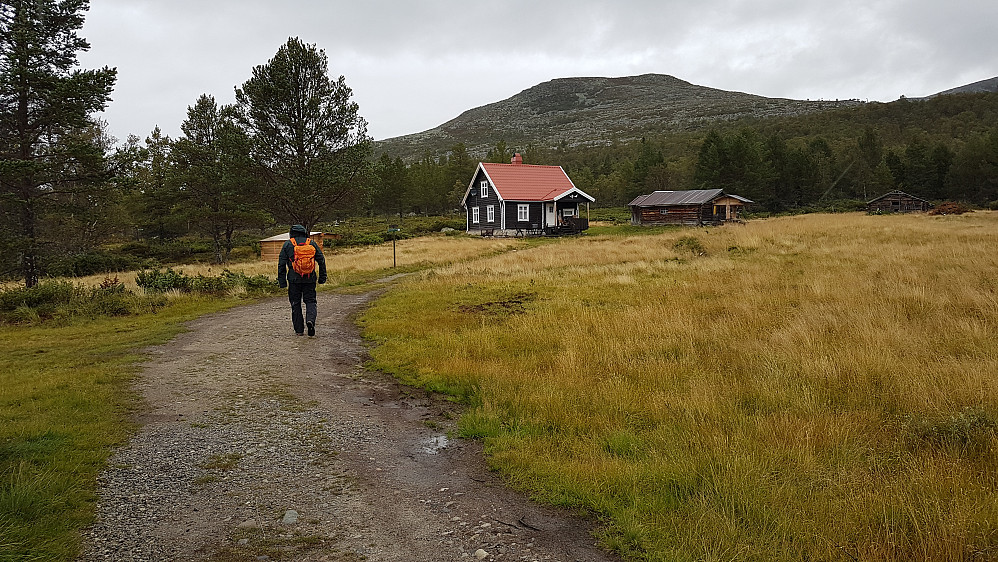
[[485, 189], [475, 215], [567, 212], [523, 212], [490, 213]]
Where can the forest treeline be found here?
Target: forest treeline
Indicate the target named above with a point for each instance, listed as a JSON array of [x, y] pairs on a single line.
[[943, 148], [293, 148]]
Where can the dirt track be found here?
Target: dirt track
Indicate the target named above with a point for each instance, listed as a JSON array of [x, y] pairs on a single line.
[[256, 444]]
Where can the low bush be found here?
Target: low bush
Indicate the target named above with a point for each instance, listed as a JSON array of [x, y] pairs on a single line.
[[162, 281], [950, 208], [61, 301], [171, 280], [172, 251], [690, 245], [95, 262]]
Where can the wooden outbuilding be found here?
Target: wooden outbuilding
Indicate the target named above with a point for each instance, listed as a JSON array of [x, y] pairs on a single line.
[[897, 202], [270, 248], [518, 199], [694, 207]]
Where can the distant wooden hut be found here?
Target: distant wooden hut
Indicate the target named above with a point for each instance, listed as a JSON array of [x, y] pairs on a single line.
[[693, 207], [897, 202], [270, 248]]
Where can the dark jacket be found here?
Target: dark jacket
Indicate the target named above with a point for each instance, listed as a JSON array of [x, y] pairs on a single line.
[[285, 274]]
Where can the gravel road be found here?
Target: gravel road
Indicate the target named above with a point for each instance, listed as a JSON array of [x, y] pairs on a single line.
[[256, 444]]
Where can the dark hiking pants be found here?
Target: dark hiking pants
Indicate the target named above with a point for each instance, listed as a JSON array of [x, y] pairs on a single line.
[[298, 292]]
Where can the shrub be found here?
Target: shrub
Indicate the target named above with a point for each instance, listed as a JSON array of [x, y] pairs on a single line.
[[93, 262], [161, 281], [174, 251], [950, 208], [252, 284], [61, 300], [690, 245], [969, 430], [43, 295]]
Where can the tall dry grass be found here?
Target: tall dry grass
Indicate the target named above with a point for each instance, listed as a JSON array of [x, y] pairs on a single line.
[[820, 387]]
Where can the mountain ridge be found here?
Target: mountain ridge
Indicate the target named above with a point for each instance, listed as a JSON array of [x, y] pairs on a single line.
[[595, 110], [580, 111], [986, 85]]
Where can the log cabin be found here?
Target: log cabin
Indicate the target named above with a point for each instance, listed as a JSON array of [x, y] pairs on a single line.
[[897, 202], [695, 207]]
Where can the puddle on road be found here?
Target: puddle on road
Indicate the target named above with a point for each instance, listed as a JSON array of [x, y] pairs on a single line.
[[433, 445]]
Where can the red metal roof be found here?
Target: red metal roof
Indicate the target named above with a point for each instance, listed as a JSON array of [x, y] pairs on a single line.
[[527, 182]]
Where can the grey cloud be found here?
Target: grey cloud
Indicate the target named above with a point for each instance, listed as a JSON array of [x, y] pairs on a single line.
[[415, 64]]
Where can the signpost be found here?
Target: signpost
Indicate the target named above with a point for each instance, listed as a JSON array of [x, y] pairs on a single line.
[[393, 229]]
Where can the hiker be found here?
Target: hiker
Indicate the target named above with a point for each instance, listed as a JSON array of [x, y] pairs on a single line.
[[300, 265]]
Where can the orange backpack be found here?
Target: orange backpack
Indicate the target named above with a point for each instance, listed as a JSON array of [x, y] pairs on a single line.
[[304, 261]]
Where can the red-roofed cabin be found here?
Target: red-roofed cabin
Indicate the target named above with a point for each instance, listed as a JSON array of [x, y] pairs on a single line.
[[521, 199]]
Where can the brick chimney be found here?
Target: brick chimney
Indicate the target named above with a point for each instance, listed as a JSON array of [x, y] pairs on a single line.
[[517, 159]]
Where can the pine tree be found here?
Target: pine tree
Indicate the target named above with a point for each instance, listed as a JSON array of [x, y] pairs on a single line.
[[309, 143], [212, 165], [51, 150]]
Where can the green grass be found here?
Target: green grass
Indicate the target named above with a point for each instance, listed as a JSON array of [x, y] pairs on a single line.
[[64, 402]]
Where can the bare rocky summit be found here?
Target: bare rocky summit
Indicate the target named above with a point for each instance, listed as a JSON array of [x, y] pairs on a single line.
[[982, 86], [595, 111]]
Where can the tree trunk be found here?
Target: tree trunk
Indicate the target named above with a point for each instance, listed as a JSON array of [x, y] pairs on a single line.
[[29, 248], [216, 237]]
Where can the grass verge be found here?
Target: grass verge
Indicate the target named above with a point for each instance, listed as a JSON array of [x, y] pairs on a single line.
[[64, 402]]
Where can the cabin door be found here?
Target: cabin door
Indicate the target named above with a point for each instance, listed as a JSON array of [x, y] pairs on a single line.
[[550, 215]]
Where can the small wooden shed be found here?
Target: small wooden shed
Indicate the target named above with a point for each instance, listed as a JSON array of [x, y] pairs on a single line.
[[270, 248], [897, 202], [693, 207]]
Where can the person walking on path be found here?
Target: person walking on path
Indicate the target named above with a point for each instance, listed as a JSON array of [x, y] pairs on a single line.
[[300, 265]]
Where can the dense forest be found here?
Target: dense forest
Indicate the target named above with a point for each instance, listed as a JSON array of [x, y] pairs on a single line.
[[943, 148]]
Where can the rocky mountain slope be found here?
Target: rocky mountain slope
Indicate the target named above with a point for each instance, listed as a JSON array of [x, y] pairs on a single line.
[[989, 85], [592, 111]]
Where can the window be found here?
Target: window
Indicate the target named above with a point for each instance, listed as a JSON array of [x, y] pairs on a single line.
[[490, 213], [485, 188], [569, 212], [523, 213], [474, 215]]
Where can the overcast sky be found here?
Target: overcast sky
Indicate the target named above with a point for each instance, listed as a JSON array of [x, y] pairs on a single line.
[[414, 64]]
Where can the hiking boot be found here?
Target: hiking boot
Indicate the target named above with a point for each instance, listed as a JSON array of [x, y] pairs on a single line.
[[311, 328], [299, 333]]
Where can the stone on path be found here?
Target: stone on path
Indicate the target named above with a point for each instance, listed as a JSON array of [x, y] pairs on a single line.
[[481, 554], [290, 517]]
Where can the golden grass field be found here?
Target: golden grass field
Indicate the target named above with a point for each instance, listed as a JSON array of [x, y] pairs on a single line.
[[816, 387]]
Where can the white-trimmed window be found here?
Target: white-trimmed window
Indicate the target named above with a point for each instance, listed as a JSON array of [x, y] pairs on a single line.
[[474, 215], [490, 213], [485, 188], [523, 212], [568, 212]]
